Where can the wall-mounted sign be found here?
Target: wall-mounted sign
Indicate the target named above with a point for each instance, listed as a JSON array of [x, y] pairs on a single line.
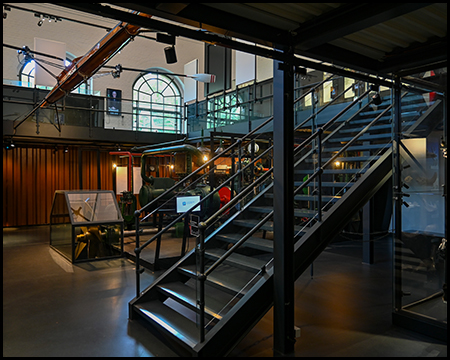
[[114, 101]]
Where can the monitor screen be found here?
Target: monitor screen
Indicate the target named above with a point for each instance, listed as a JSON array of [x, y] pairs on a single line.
[[184, 203], [114, 97]]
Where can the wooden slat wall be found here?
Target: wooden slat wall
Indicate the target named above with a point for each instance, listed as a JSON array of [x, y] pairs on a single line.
[[31, 176]]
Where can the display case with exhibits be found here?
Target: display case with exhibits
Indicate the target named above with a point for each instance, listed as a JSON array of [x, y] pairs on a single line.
[[86, 225]]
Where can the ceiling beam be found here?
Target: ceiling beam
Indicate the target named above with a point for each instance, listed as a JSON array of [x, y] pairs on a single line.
[[348, 19], [432, 53], [119, 15]]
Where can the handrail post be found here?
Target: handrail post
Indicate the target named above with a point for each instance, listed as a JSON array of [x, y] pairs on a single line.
[[320, 170], [200, 250], [137, 251], [241, 175]]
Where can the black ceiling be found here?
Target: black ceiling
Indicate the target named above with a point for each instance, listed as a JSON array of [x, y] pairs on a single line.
[[378, 39]]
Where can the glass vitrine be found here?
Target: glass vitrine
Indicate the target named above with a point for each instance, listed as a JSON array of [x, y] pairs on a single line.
[[420, 253], [86, 225]]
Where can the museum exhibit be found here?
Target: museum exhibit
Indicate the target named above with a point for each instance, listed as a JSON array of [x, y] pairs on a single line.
[[225, 179]]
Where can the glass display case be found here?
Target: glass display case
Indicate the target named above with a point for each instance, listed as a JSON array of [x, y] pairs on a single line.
[[86, 225], [420, 247]]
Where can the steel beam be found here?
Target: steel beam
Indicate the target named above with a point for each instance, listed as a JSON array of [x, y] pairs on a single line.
[[283, 191]]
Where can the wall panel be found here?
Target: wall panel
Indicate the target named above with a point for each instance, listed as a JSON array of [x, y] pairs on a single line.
[[31, 176]]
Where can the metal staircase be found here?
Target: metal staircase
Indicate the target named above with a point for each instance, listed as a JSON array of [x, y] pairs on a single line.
[[211, 298]]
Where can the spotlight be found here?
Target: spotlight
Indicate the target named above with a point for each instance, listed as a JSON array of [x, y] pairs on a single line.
[[171, 56], [9, 144], [40, 22], [5, 8]]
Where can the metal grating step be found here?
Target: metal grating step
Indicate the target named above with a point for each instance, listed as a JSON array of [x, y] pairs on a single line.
[[297, 212], [325, 198], [251, 223], [225, 277], [164, 318], [237, 260], [253, 242], [187, 296]]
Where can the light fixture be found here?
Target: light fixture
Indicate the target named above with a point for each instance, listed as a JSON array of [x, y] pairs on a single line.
[[337, 163], [5, 8], [114, 165], [9, 144], [171, 56], [66, 149]]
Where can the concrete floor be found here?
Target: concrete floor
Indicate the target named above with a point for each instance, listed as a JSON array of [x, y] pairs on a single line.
[[54, 308]]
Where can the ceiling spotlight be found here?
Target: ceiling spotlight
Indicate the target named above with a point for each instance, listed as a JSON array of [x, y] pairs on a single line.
[[171, 56], [9, 144], [5, 8], [40, 22]]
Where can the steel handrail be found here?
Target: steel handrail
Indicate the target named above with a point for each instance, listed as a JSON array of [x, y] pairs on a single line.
[[299, 147], [231, 178], [220, 154], [202, 276], [137, 213]]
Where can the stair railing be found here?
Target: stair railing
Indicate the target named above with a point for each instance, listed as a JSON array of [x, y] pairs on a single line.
[[201, 273], [237, 144]]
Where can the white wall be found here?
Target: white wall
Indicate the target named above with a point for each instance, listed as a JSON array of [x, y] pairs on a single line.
[[20, 28]]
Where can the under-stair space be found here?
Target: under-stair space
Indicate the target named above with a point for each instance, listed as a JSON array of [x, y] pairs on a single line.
[[210, 299]]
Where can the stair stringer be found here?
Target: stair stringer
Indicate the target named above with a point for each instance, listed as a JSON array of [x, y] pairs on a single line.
[[310, 245]]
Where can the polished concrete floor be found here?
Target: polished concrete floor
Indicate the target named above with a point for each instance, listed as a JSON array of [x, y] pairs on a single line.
[[54, 308]]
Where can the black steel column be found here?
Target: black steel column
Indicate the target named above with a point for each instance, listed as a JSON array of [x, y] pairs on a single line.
[[397, 180], [283, 191], [367, 221]]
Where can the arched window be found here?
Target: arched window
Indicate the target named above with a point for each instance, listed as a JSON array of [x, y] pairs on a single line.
[[27, 76], [157, 104]]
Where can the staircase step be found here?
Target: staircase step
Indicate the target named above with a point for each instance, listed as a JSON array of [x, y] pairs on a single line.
[[347, 159], [338, 184], [171, 322], [253, 242], [225, 277], [330, 171], [366, 147], [187, 296], [373, 128], [251, 223], [297, 212], [237, 260], [365, 137], [325, 198]]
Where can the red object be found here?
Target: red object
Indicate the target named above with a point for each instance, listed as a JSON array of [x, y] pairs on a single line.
[[225, 196], [83, 67]]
